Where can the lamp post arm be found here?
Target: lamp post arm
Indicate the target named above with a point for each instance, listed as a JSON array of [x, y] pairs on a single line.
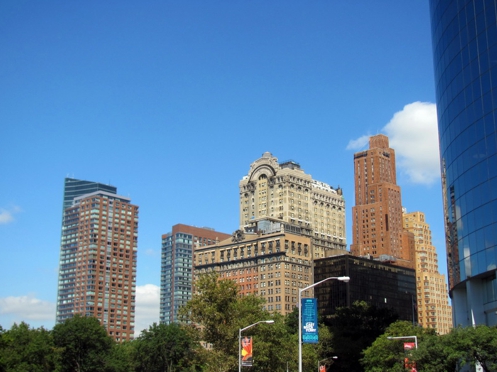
[[240, 330], [341, 278], [404, 337]]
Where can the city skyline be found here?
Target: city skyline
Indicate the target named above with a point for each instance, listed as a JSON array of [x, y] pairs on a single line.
[[159, 98]]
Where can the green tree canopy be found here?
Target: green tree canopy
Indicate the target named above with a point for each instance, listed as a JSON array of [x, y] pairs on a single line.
[[220, 312], [388, 354], [26, 349], [462, 346], [482, 345], [217, 307], [355, 328], [165, 348], [83, 343]]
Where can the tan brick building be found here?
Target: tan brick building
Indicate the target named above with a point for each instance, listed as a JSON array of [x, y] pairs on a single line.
[[285, 192], [270, 258], [377, 229], [434, 310]]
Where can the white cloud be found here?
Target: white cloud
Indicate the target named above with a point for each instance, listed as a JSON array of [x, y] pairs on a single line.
[[150, 252], [358, 144], [38, 312], [7, 215], [147, 307], [413, 134], [27, 308]]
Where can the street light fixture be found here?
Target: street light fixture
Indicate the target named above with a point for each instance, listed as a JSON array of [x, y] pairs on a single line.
[[240, 340], [319, 363], [400, 337], [340, 278]]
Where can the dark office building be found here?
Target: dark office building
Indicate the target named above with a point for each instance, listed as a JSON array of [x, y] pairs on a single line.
[[464, 36], [377, 283]]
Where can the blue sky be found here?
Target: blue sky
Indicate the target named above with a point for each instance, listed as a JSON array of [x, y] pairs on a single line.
[[172, 100]]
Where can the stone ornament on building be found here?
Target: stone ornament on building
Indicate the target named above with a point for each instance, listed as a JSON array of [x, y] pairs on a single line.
[[238, 236]]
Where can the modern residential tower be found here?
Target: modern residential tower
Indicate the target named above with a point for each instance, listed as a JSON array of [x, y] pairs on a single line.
[[178, 251], [97, 268], [464, 34]]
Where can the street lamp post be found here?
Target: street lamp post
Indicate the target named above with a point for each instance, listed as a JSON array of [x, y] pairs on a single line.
[[321, 361], [340, 278], [240, 340]]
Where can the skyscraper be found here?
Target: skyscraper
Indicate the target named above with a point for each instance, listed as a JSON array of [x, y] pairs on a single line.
[[178, 251], [464, 34], [97, 267], [285, 192], [377, 229], [433, 306]]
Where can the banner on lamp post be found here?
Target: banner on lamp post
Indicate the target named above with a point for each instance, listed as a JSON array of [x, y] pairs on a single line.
[[309, 308], [409, 364], [247, 351]]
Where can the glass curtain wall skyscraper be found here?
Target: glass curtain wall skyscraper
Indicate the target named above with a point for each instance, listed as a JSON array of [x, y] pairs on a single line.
[[178, 252], [464, 34]]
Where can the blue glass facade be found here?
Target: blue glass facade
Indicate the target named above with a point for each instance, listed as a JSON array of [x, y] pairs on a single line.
[[178, 251], [176, 275], [464, 36]]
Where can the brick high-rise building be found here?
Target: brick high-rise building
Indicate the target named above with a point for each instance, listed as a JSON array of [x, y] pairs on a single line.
[[97, 268], [434, 310], [377, 229], [285, 192], [178, 249]]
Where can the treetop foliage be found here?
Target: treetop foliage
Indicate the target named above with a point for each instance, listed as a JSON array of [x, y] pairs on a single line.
[[354, 339]]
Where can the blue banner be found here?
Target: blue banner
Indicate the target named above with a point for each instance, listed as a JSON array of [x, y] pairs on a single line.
[[309, 308]]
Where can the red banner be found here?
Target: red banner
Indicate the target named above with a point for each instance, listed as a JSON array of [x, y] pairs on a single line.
[[410, 365]]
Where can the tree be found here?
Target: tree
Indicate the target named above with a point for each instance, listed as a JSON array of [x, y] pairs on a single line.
[[26, 349], [445, 353], [220, 311], [388, 354], [354, 329], [165, 348], [120, 357], [439, 353], [482, 345], [83, 343]]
